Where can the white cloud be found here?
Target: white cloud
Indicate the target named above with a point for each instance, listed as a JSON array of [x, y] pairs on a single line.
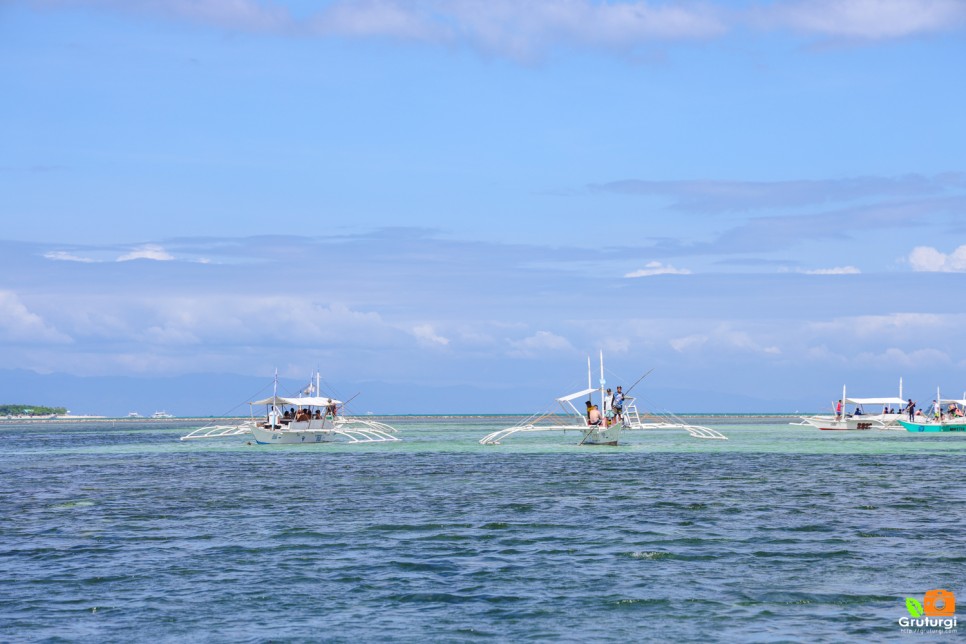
[[612, 345], [525, 30], [866, 19], [743, 196], [849, 335], [64, 256], [929, 260], [657, 268], [223, 321], [688, 342], [379, 18], [170, 335], [539, 343], [148, 251], [838, 270], [248, 15], [19, 324], [742, 341], [724, 338], [521, 29], [892, 358], [426, 334], [901, 321]]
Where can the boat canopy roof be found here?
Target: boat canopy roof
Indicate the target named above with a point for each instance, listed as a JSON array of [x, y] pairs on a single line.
[[875, 401], [946, 401], [304, 401], [579, 394]]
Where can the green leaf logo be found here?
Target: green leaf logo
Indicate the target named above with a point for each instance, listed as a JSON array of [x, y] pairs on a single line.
[[914, 607]]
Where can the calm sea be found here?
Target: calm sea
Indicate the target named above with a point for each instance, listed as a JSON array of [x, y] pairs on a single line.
[[783, 533]]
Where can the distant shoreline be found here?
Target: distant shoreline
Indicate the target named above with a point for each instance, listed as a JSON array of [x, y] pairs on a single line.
[[104, 419]]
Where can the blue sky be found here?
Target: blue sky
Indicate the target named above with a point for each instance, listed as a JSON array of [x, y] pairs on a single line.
[[763, 201]]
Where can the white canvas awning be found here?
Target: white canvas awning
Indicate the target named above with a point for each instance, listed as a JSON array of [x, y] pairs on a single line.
[[875, 401], [304, 401], [579, 394]]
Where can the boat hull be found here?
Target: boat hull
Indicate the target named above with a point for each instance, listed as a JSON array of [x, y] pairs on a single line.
[[602, 435], [265, 436], [853, 423], [918, 427], [342, 430]]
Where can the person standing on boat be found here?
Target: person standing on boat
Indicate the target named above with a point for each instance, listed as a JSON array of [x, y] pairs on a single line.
[[619, 405], [838, 410], [911, 410], [609, 408], [593, 414], [330, 409]]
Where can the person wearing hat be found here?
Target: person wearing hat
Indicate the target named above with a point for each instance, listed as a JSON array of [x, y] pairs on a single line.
[[619, 405]]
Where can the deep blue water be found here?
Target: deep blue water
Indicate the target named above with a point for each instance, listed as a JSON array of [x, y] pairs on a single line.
[[782, 533]]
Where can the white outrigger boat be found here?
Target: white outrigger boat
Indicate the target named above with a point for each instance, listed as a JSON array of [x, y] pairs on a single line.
[[859, 419], [604, 433], [310, 419], [948, 417]]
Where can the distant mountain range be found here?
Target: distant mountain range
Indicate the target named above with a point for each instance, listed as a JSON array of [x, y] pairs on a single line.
[[208, 394]]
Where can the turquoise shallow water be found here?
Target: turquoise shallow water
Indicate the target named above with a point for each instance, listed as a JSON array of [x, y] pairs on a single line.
[[782, 533]]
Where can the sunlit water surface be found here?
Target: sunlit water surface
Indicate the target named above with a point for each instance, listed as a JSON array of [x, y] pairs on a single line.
[[121, 532]]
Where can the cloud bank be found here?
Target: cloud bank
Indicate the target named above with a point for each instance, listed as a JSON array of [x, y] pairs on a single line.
[[745, 196], [528, 30]]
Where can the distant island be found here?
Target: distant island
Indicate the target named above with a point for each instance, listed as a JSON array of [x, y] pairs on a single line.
[[31, 410]]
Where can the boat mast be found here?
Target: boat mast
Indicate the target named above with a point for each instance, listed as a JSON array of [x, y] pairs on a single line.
[[275, 393], [602, 383]]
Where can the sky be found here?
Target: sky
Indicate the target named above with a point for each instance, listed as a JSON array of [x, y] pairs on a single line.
[[450, 205]]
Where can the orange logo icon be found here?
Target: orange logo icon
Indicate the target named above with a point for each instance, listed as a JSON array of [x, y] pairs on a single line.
[[939, 603]]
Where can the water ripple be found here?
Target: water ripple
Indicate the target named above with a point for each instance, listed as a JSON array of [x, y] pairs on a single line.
[[779, 534]]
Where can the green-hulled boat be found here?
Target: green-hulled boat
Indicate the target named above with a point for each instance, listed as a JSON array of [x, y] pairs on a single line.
[[950, 419], [958, 425]]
